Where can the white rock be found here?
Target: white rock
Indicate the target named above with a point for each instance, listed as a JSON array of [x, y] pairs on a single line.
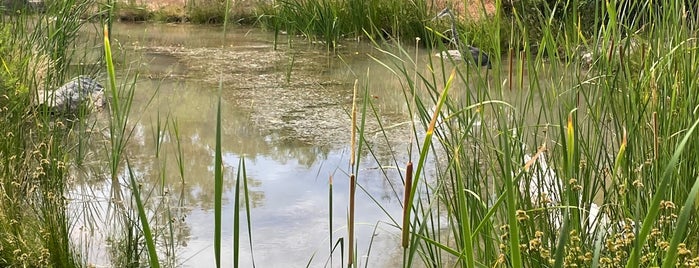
[[69, 96]]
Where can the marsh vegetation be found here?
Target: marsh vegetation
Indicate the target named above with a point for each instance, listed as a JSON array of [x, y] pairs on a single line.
[[578, 148]]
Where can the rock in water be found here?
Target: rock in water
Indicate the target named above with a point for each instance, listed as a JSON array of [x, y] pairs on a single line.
[[450, 54], [71, 95]]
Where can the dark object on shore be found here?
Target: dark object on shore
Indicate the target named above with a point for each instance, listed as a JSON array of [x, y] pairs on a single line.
[[68, 97], [479, 57]]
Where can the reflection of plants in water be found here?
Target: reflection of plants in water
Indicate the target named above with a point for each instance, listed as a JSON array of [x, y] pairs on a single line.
[[164, 209], [290, 67]]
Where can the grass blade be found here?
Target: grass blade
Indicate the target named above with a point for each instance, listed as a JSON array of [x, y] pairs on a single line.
[[218, 187], [148, 236]]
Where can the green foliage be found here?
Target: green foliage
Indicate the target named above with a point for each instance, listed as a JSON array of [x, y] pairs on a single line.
[[207, 11], [614, 137], [331, 20], [8, 63], [132, 12], [34, 151], [170, 14], [561, 161]]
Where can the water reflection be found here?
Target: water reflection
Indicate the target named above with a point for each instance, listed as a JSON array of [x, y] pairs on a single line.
[[285, 111]]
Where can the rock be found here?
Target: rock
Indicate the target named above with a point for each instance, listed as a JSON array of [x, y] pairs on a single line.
[[450, 54], [71, 95]]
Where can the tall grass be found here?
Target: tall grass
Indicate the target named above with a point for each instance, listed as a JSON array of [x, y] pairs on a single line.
[[241, 184], [192, 11], [570, 163], [331, 21], [546, 161], [37, 51]]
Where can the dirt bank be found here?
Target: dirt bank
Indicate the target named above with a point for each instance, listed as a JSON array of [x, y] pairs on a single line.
[[473, 11], [155, 5]]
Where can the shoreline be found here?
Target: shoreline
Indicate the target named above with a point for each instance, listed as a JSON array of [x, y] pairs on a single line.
[[177, 10]]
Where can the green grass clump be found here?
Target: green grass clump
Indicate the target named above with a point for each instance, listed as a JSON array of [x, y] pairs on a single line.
[[36, 150], [331, 21], [207, 11], [131, 12], [170, 14]]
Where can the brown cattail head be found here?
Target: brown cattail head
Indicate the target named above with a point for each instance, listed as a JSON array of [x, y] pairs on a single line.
[[406, 204], [611, 51], [353, 138]]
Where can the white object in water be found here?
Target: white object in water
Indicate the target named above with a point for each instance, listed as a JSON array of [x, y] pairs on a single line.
[[450, 54], [69, 96], [544, 186]]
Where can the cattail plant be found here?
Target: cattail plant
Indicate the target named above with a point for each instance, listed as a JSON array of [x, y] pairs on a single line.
[[406, 205]]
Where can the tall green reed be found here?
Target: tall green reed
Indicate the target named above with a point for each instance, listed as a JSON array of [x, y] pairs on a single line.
[[600, 128], [330, 21], [37, 51], [241, 184]]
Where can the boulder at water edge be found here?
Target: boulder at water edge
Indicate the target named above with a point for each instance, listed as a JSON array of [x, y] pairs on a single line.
[[68, 97]]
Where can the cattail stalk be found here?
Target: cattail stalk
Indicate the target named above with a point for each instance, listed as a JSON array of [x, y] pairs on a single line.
[[330, 218], [655, 135], [611, 51], [353, 138], [522, 58], [353, 182], [511, 56], [406, 203], [350, 224]]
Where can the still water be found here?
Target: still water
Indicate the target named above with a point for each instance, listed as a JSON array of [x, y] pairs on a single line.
[[287, 113]]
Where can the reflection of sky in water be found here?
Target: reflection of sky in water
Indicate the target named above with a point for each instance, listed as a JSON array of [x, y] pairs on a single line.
[[287, 112], [292, 223], [292, 128]]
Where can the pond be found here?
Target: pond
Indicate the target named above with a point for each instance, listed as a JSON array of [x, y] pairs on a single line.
[[286, 111]]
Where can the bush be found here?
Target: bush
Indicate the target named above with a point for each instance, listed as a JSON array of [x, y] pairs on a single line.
[[170, 14], [132, 12], [207, 11]]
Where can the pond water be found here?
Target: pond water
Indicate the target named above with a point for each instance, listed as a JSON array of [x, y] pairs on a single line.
[[287, 113]]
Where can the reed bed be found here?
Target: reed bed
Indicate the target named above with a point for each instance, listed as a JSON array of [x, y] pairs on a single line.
[[576, 151], [37, 150], [330, 22]]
